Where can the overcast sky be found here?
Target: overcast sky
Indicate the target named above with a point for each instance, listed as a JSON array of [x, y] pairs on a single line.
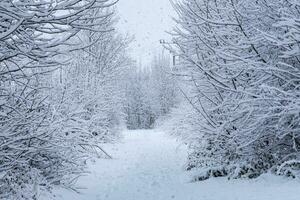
[[147, 20]]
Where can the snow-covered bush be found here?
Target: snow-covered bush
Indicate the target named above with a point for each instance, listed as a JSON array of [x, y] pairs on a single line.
[[241, 59]]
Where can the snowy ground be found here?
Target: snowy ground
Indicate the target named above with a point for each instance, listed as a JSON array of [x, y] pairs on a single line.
[[147, 165]]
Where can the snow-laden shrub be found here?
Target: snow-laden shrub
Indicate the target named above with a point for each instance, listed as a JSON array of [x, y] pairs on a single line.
[[242, 60]]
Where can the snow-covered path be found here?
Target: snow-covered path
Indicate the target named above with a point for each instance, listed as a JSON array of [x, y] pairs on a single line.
[[147, 165]]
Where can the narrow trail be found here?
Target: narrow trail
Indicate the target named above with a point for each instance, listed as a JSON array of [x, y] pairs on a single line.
[[148, 165]]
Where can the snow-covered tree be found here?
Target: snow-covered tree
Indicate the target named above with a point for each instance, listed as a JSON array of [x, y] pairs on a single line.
[[164, 85], [46, 134], [240, 60], [137, 105], [93, 82]]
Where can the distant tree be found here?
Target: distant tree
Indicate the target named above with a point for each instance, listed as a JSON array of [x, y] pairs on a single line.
[[151, 93]]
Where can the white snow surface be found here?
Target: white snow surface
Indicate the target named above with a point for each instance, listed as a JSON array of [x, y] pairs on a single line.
[[148, 165]]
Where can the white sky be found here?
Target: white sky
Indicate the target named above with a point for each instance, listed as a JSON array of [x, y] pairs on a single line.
[[148, 21]]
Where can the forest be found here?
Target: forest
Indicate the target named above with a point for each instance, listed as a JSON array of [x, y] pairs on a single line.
[[226, 87]]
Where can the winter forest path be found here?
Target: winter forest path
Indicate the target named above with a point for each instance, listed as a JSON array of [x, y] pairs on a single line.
[[148, 165]]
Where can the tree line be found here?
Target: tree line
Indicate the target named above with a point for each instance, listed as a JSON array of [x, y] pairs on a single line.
[[151, 93]]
